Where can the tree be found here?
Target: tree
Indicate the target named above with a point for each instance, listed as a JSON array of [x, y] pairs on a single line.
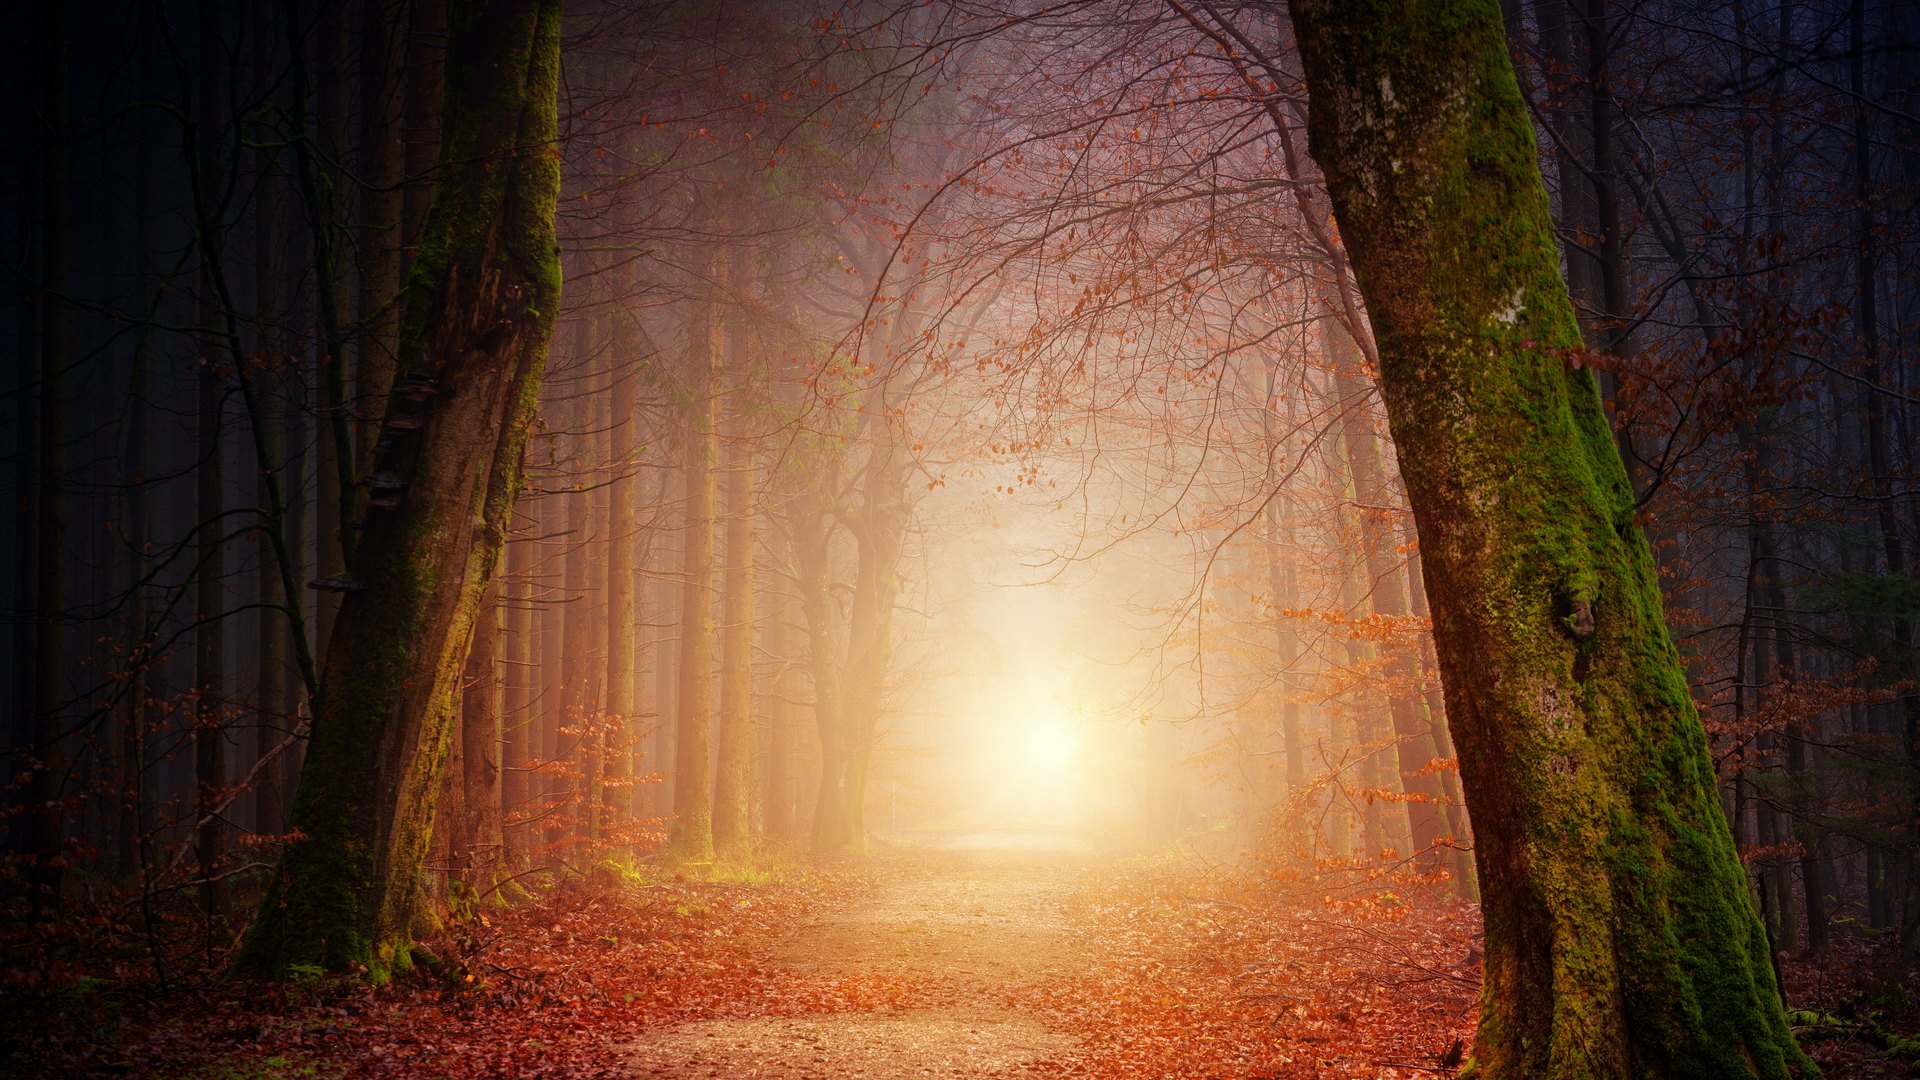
[[1620, 936], [209, 649], [475, 833], [691, 835], [50, 506], [631, 351], [481, 302], [733, 774]]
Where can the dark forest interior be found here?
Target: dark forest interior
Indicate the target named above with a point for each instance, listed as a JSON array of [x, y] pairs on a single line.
[[675, 538]]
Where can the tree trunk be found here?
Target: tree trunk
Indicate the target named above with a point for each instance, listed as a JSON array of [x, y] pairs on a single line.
[[209, 650], [380, 163], [1466, 883], [479, 316], [426, 79], [271, 721], [666, 652], [334, 443], [596, 738], [811, 529], [1379, 754], [690, 838], [47, 824], [299, 489], [546, 745], [1413, 736], [516, 593], [477, 844], [733, 776], [779, 750], [1584, 158], [623, 706], [134, 717], [1879, 454], [1805, 796], [1283, 581], [1554, 22], [578, 724], [840, 816], [1620, 936]]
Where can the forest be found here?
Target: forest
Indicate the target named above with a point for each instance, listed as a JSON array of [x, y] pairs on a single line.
[[958, 538]]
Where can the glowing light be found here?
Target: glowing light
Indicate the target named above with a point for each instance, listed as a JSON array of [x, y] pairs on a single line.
[[1051, 747]]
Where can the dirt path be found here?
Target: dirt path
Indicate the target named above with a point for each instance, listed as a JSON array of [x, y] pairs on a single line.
[[973, 915]]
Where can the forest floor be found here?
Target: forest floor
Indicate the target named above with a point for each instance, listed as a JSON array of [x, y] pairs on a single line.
[[964, 955]]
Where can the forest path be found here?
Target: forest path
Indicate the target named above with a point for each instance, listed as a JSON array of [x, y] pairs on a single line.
[[962, 917]]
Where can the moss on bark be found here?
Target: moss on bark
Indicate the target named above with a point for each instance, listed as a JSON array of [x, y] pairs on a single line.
[[1621, 938], [479, 313]]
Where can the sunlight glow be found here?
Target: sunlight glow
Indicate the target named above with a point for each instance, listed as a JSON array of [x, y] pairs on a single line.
[[1051, 747]]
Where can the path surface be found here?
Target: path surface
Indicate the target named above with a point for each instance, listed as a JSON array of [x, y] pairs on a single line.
[[976, 914]]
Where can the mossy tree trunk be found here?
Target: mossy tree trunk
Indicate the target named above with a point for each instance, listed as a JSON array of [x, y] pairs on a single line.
[[1621, 939], [472, 351]]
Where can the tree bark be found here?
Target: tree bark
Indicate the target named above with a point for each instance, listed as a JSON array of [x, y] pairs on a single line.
[[334, 444], [733, 774], [479, 316], [209, 648], [380, 164], [811, 530], [426, 62], [840, 815], [1466, 883], [1283, 582], [1879, 454], [623, 491], [300, 491], [778, 815], [134, 718], [596, 740], [1621, 939], [1413, 736], [47, 824], [666, 651], [578, 724], [271, 720], [546, 745], [477, 846], [1379, 753], [690, 838], [516, 591]]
